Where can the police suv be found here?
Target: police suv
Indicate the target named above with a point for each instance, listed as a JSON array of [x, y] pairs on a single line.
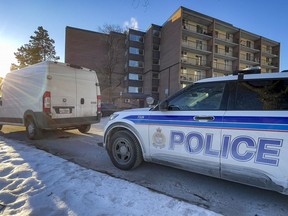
[[233, 127]]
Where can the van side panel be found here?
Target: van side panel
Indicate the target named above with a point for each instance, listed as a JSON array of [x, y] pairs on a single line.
[[22, 91]]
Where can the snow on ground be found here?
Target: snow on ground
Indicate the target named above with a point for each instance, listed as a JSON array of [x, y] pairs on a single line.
[[34, 182]]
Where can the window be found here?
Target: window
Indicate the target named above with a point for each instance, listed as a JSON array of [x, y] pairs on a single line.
[[136, 51], [136, 38], [248, 56], [227, 36], [133, 89], [199, 44], [155, 75], [216, 34], [133, 63], [248, 44], [262, 95], [133, 76], [203, 96], [156, 33], [198, 60], [226, 49], [156, 61], [154, 89], [199, 29], [216, 48], [156, 47]]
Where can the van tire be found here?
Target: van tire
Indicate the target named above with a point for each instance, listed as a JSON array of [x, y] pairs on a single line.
[[32, 131], [124, 150], [84, 128]]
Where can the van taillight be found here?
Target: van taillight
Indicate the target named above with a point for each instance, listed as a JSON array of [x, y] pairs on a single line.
[[99, 103], [47, 102]]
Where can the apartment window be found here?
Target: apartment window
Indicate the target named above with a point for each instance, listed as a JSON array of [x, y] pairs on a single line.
[[184, 70], [136, 38], [199, 29], [134, 89], [154, 89], [156, 61], [155, 75], [134, 50], [227, 36], [248, 56], [156, 47], [156, 33], [248, 44], [184, 38], [133, 63], [226, 62], [198, 60], [226, 49], [199, 44], [215, 63], [216, 48], [133, 76], [216, 34]]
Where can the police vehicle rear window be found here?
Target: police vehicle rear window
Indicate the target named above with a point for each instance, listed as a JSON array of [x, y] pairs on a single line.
[[262, 95]]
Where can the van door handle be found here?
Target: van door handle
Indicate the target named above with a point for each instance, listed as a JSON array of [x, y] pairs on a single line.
[[82, 101], [204, 118]]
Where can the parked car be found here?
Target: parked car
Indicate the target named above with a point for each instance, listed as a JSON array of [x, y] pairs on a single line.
[[233, 127], [108, 108]]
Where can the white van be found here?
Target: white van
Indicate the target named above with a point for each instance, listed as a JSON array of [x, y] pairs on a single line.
[[50, 95]]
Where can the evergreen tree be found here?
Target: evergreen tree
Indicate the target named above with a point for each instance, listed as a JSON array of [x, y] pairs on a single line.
[[40, 48]]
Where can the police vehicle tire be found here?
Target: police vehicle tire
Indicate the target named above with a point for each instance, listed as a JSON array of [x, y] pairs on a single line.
[[32, 131], [124, 150], [84, 128]]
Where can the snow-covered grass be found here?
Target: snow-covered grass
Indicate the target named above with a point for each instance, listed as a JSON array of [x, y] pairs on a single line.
[[34, 182]]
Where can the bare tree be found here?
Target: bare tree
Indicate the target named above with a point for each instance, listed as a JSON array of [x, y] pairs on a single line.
[[112, 70]]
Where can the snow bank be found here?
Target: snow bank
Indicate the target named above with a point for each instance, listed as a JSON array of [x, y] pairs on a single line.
[[34, 182]]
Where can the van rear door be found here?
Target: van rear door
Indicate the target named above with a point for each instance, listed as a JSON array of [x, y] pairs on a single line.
[[62, 86], [86, 93]]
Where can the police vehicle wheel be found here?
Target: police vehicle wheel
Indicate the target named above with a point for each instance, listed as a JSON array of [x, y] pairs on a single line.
[[31, 130], [84, 128], [124, 150]]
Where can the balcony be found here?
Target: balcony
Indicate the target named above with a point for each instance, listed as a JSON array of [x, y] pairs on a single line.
[[196, 47], [196, 31], [224, 39], [248, 59], [248, 48], [225, 54], [195, 62], [191, 76], [223, 68]]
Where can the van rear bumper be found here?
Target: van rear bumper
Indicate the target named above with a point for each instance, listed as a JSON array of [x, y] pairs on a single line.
[[44, 121]]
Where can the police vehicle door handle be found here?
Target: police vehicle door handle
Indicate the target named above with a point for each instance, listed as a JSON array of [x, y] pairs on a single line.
[[204, 118]]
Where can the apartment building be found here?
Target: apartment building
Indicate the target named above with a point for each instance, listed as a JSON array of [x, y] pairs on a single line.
[[188, 47]]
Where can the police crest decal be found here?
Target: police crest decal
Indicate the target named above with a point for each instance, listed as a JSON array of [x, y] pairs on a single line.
[[158, 139]]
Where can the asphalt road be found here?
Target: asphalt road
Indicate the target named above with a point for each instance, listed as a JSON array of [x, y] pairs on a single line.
[[217, 195]]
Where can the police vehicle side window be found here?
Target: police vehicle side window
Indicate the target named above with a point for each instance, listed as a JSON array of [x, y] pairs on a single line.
[[202, 96], [262, 95]]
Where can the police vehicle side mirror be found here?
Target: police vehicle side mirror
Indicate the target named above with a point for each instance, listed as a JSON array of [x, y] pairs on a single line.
[[163, 106]]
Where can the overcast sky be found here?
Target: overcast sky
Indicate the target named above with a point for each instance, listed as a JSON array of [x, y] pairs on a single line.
[[19, 19]]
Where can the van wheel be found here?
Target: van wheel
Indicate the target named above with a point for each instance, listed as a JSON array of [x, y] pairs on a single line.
[[124, 150], [31, 130], [84, 128]]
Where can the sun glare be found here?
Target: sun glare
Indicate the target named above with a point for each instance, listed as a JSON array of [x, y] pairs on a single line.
[[6, 56]]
